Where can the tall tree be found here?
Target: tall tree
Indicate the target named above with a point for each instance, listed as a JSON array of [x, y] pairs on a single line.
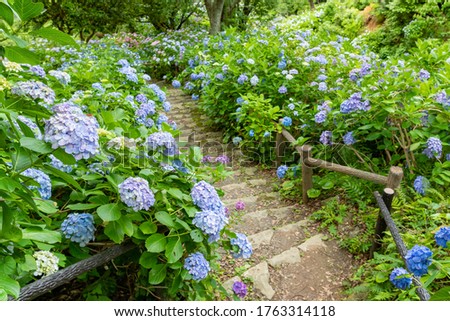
[[169, 14], [214, 8]]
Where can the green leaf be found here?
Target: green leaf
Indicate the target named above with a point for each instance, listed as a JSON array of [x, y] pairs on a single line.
[[174, 250], [19, 41], [46, 206], [115, 232], [156, 243], [373, 136], [313, 193], [64, 176], [175, 192], [414, 146], [10, 286], [26, 9], [157, 274], [36, 145], [64, 157], [109, 212], [196, 236], [7, 14], [3, 295], [148, 227], [21, 55], [55, 35], [148, 260], [381, 277], [127, 225], [164, 218], [81, 206], [9, 184], [442, 294], [45, 236]]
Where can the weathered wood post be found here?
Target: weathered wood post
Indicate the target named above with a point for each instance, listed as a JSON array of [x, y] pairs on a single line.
[[393, 182], [307, 172], [279, 148]]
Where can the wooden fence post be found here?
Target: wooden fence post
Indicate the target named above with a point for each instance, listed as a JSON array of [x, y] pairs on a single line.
[[388, 196], [395, 177], [307, 172]]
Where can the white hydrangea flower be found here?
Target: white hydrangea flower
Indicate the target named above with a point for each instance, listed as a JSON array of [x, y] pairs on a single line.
[[46, 263]]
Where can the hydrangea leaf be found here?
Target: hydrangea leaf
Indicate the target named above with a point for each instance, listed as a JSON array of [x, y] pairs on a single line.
[[50, 237], [27, 9], [157, 274], [164, 218], [174, 250], [9, 285], [7, 14], [114, 231], [148, 260], [109, 212], [56, 36], [156, 243], [196, 236]]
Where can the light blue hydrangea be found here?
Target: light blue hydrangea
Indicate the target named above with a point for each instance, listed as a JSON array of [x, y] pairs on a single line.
[[79, 228], [211, 223], [242, 246], [130, 73], [167, 106], [349, 139], [45, 184], [421, 184], [236, 140], [442, 236], [136, 193], [326, 137], [400, 278], [159, 93], [254, 80], [144, 112], [197, 266], [176, 84], [73, 131], [163, 140], [195, 97], [434, 148], [266, 134], [321, 117], [62, 76], [56, 163], [34, 90], [322, 86], [141, 98], [242, 78], [206, 198], [282, 89], [281, 171], [354, 103], [424, 75], [38, 71], [251, 133], [98, 87], [442, 98], [286, 121], [418, 259]]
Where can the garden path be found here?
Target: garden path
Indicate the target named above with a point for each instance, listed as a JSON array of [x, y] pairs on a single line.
[[291, 260]]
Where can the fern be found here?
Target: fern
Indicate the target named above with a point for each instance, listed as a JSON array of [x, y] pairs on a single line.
[[384, 296]]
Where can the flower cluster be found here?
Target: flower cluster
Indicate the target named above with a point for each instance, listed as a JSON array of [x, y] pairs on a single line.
[[281, 171], [241, 246], [46, 263], [434, 148], [62, 76], [162, 140], [144, 112], [400, 278], [176, 84], [354, 103], [418, 259], [349, 139], [197, 266], [130, 73], [421, 184], [56, 163], [159, 93], [326, 137], [206, 198], [240, 206], [240, 289], [73, 131], [211, 223], [442, 236], [136, 193], [45, 184], [79, 228], [286, 121], [38, 71], [34, 90]]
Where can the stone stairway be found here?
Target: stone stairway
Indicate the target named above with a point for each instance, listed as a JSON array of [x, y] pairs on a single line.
[[291, 260]]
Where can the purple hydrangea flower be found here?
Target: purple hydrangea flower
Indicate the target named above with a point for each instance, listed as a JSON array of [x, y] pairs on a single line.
[[195, 97], [424, 75], [240, 289], [223, 159], [242, 78], [434, 148], [56, 163], [45, 184], [418, 259], [442, 236], [144, 112], [159, 93], [38, 71], [282, 90], [281, 171], [130, 73], [400, 278], [442, 98], [326, 137], [251, 133], [167, 106], [34, 90], [141, 98], [136, 193], [354, 103], [349, 139], [321, 116], [79, 228], [206, 198], [162, 140], [73, 131], [219, 76], [240, 206], [243, 247], [197, 266], [211, 223], [323, 86], [421, 184], [208, 159], [176, 84]]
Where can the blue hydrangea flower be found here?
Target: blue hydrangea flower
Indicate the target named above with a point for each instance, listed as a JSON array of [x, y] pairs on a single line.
[[349, 139], [79, 228], [251, 133], [324, 107], [144, 112], [45, 184], [434, 148], [323, 86], [286, 121], [236, 140], [266, 134], [326, 137], [282, 64], [282, 90], [421, 184], [162, 140], [197, 266], [219, 76], [56, 163], [38, 71], [320, 117], [194, 97], [206, 198], [167, 106], [141, 98], [240, 289], [244, 248], [400, 278], [73, 131], [99, 87], [136, 193], [281, 171], [424, 75], [130, 73], [418, 259], [354, 103], [442, 98], [189, 86], [322, 77], [254, 80], [176, 84], [291, 106], [34, 90], [442, 236], [159, 93], [211, 223], [242, 78]]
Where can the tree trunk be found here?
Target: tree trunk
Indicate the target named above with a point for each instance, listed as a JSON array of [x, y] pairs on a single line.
[[214, 9], [311, 4]]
